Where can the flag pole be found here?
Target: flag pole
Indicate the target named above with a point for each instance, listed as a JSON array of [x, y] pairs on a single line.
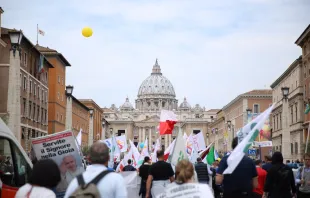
[[306, 149], [37, 34]]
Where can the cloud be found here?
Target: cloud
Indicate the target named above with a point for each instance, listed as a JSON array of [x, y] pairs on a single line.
[[211, 51]]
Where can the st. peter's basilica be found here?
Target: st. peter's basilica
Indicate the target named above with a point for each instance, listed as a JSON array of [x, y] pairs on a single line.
[[155, 93]]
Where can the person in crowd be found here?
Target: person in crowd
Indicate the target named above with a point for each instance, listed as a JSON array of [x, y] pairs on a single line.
[[129, 167], [262, 174], [159, 175], [242, 181], [217, 189], [203, 171], [280, 180], [183, 185], [112, 185], [144, 173], [41, 182], [303, 178], [267, 164], [288, 162]]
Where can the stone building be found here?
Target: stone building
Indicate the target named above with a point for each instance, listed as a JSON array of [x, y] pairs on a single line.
[[155, 93], [304, 42], [24, 86], [57, 86], [95, 125], [287, 115], [234, 116]]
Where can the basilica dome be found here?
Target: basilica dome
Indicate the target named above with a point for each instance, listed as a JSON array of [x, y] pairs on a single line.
[[185, 104], [156, 85], [127, 105]]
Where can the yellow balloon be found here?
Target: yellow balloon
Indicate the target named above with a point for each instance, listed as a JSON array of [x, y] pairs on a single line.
[[87, 32]]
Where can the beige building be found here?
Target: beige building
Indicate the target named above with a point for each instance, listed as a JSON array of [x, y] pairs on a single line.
[[287, 116], [234, 116], [155, 93]]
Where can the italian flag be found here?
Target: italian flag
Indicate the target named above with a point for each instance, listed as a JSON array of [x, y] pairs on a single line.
[[210, 158], [249, 133], [167, 122], [205, 152]]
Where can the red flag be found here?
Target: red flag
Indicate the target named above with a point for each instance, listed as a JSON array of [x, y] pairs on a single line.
[[167, 121]]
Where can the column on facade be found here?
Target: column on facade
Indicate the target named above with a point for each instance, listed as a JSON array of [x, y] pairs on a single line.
[[69, 113], [150, 138], [143, 134], [286, 135], [140, 134]]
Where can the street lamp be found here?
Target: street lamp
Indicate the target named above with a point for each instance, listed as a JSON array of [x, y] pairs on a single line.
[[207, 134], [248, 111], [229, 123], [15, 37], [91, 112], [285, 91], [216, 131], [111, 131], [69, 90]]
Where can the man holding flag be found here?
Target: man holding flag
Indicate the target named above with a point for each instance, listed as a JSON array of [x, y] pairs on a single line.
[[241, 181]]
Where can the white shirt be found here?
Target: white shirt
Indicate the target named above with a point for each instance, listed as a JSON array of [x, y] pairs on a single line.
[[36, 192], [112, 185], [188, 190]]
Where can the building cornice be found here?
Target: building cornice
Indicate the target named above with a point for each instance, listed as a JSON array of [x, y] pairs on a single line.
[[90, 101], [302, 37], [286, 73], [79, 103], [242, 96]]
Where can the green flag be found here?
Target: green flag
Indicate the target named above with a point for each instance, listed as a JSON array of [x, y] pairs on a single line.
[[210, 156]]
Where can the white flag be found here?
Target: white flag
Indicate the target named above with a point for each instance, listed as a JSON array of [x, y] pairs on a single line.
[[194, 155], [252, 131], [114, 152], [199, 142], [122, 143], [79, 138], [144, 153], [179, 152], [135, 152], [156, 148]]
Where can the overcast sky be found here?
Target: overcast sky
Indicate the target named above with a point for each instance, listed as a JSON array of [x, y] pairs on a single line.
[[210, 50]]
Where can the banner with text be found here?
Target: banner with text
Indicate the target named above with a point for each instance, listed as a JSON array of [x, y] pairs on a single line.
[[60, 147]]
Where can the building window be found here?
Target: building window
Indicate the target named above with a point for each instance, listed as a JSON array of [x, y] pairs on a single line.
[[46, 80], [38, 113], [277, 122], [45, 116], [34, 111], [30, 86], [25, 82], [30, 109], [196, 115], [21, 80], [292, 149], [281, 120], [61, 117], [24, 106], [256, 108], [296, 112], [292, 115], [58, 95], [42, 96], [38, 92], [25, 59], [296, 148], [42, 115], [34, 89], [58, 79]]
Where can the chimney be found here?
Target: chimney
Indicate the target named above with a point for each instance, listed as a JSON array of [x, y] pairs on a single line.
[[1, 11]]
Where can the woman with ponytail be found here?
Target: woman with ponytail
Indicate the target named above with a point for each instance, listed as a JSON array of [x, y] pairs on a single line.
[[184, 185]]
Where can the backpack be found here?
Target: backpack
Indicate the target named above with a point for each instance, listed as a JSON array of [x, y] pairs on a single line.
[[89, 190]]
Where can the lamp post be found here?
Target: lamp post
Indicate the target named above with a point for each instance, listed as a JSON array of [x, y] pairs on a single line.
[[69, 91], [231, 129], [111, 132], [285, 130], [13, 100], [91, 128]]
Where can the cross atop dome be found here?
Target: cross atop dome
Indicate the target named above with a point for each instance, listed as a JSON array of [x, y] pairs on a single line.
[[156, 68]]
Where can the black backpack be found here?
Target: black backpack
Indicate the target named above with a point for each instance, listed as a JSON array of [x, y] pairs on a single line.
[[89, 190]]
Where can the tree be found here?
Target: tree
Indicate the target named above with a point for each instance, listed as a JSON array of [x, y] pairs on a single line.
[[5, 118], [85, 150]]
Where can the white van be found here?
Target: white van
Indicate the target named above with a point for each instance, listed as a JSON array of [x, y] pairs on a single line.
[[15, 165]]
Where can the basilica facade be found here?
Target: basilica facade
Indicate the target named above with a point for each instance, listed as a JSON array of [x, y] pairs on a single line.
[[140, 122]]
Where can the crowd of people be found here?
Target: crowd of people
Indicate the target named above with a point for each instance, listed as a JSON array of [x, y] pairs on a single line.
[[273, 179]]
